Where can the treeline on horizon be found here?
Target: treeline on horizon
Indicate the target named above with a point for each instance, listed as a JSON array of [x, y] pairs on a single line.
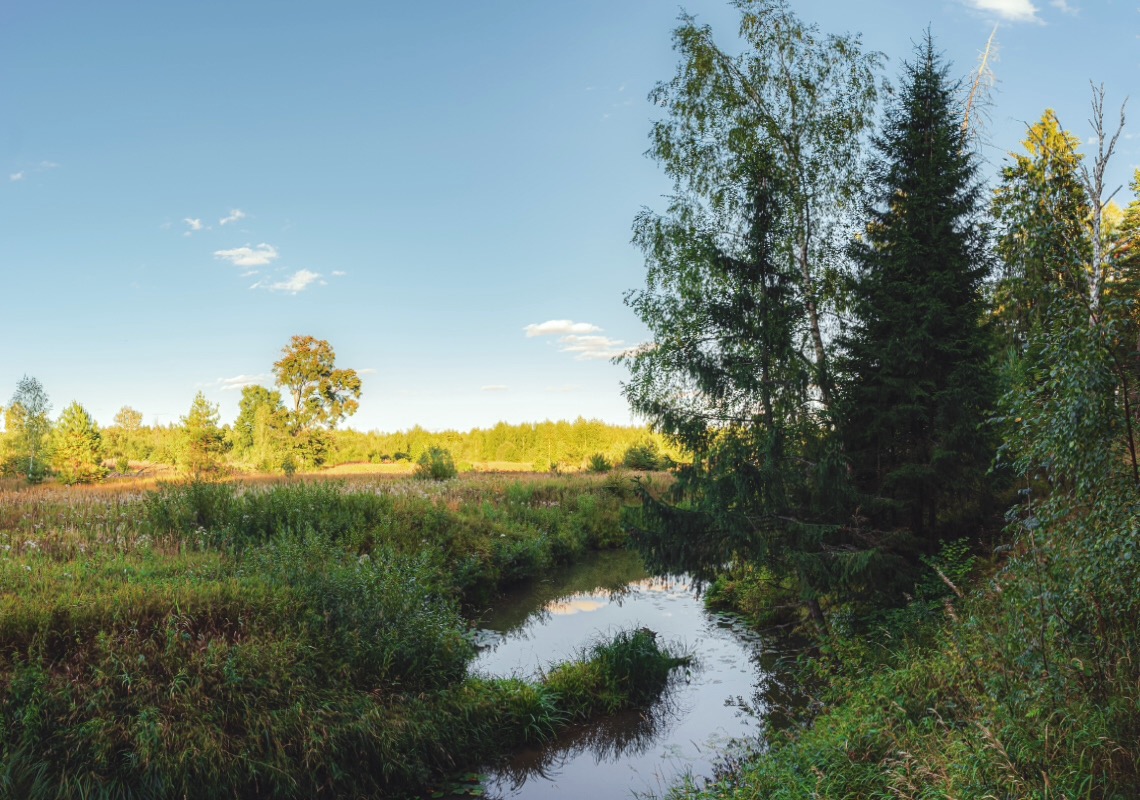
[[292, 427], [543, 446]]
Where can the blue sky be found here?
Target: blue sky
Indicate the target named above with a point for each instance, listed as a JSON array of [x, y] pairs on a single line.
[[442, 190]]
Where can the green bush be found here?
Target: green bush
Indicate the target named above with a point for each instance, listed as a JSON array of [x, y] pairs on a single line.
[[643, 456], [436, 464], [599, 463]]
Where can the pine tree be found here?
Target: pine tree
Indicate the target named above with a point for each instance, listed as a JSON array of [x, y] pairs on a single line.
[[77, 447], [202, 440], [917, 381]]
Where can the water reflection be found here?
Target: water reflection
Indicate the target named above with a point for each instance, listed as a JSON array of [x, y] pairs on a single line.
[[627, 735], [727, 695]]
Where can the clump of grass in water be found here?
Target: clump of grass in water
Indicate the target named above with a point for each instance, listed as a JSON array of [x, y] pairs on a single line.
[[629, 671]]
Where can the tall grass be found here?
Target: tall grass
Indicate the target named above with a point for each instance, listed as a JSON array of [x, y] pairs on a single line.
[[1008, 683], [297, 639]]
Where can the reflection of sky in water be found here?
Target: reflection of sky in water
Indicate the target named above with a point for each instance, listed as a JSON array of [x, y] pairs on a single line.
[[642, 752], [576, 605]]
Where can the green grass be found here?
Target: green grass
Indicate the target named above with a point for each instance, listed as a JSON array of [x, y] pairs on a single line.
[[288, 640], [1017, 685]]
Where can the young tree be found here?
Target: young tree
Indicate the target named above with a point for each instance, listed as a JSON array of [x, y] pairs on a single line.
[[802, 98], [321, 394], [1042, 212], [764, 149], [918, 385], [28, 426], [122, 438], [260, 434], [77, 447], [202, 441]]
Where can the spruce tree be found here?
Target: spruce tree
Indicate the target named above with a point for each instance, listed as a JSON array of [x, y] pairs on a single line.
[[77, 451], [918, 383], [202, 441]]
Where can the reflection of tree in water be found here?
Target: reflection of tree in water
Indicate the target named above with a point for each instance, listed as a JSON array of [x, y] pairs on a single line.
[[624, 735]]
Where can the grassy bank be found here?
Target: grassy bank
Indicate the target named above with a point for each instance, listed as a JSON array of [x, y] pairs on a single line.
[[288, 640], [1017, 676]]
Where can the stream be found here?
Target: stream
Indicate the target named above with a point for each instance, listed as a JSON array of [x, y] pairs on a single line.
[[725, 696]]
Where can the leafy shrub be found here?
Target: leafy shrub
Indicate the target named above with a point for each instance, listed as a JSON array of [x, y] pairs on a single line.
[[599, 463], [643, 456], [436, 464]]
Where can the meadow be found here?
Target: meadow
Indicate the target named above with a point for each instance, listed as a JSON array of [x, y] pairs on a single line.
[[286, 638]]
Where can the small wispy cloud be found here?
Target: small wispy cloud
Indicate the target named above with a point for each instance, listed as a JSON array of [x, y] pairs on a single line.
[[234, 215], [238, 382], [24, 173], [193, 225], [1008, 10], [494, 387], [582, 339], [560, 327], [367, 371], [1064, 7], [591, 348], [247, 256], [338, 273], [299, 281]]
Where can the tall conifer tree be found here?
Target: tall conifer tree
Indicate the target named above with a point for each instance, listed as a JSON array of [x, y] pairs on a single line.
[[918, 385]]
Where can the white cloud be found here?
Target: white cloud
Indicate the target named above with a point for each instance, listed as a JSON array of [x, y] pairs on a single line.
[[560, 327], [234, 216], [1064, 7], [248, 256], [23, 174], [366, 371], [591, 348], [194, 225], [297, 282], [338, 273], [1009, 10], [494, 387], [238, 382]]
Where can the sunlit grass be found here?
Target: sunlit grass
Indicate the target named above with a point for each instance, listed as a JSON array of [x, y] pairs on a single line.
[[286, 637]]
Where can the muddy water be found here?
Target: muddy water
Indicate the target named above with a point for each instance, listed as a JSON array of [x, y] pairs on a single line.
[[724, 697]]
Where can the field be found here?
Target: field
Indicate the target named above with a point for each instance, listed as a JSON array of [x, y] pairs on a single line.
[[285, 638]]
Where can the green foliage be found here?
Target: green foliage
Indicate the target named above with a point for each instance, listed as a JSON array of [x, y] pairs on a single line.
[[627, 671], [642, 456], [324, 656], [27, 429], [1023, 680], [260, 435], [918, 383], [1042, 211], [436, 464], [202, 441], [765, 150], [599, 463], [77, 447], [321, 394]]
